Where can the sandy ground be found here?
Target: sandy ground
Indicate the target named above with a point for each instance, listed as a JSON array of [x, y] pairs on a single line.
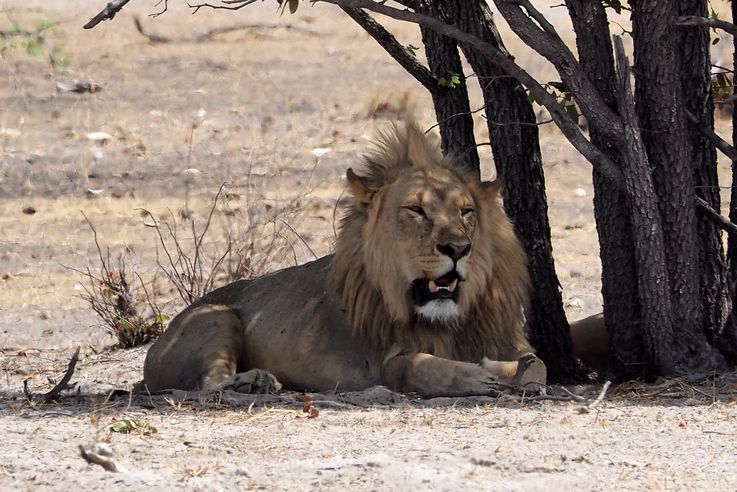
[[277, 112]]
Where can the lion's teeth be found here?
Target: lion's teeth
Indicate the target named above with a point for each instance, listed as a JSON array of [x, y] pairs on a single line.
[[432, 286], [453, 285]]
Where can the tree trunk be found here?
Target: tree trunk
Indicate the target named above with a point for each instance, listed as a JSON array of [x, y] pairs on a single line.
[[659, 108], [618, 272], [693, 48], [452, 108], [515, 145], [728, 338]]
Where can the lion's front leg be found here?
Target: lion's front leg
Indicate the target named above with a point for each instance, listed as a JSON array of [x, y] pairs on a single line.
[[432, 376]]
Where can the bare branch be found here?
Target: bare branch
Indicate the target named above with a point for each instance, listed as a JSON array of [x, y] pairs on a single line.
[[387, 41], [538, 17], [547, 43], [696, 21], [210, 33], [507, 63], [715, 217], [715, 139], [226, 5], [108, 12]]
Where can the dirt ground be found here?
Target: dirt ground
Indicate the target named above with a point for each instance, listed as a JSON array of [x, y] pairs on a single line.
[[276, 112]]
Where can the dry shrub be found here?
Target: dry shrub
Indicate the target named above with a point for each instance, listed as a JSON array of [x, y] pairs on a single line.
[[119, 296], [256, 238], [261, 238]]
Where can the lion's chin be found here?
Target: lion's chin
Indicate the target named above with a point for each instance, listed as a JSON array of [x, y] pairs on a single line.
[[439, 311]]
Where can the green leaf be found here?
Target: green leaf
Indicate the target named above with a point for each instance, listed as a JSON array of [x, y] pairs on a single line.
[[450, 80], [572, 111], [161, 318], [127, 426], [293, 4], [411, 51]]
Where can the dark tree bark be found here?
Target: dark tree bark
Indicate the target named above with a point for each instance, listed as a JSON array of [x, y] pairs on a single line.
[[611, 208], [452, 107], [666, 139], [693, 51], [728, 338], [515, 145]]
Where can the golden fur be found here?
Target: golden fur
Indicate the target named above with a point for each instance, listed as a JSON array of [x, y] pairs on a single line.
[[425, 293]]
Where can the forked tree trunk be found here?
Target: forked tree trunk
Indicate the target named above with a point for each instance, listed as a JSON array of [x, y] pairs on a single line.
[[693, 48], [728, 337], [515, 145], [669, 148], [611, 209]]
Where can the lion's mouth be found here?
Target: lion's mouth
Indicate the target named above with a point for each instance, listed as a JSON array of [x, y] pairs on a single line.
[[444, 287]]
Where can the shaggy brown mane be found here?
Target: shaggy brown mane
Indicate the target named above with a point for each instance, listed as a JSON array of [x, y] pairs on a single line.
[[491, 322]]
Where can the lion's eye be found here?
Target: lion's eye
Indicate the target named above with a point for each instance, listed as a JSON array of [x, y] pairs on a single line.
[[466, 211], [416, 209]]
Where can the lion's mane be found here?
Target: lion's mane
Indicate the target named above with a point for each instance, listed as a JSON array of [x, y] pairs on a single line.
[[492, 320]]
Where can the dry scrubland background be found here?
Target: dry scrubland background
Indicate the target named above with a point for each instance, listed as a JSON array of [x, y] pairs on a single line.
[[277, 112]]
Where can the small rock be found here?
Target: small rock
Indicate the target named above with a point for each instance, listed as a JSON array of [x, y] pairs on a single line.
[[29, 210], [320, 151], [100, 137], [91, 193]]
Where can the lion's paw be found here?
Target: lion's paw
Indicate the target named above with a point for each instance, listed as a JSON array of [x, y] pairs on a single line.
[[531, 373], [255, 381]]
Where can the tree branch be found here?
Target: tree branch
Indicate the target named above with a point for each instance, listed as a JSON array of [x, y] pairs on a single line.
[[108, 12], [228, 5], [696, 21], [545, 41], [387, 41], [210, 33], [715, 139], [715, 217], [507, 63]]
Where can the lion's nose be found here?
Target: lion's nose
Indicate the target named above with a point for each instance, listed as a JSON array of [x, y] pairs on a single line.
[[454, 251]]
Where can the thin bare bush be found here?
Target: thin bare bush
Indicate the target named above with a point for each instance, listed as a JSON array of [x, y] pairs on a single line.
[[256, 238], [119, 296], [183, 256]]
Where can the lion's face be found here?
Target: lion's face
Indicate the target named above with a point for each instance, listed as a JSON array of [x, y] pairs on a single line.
[[428, 220], [423, 254]]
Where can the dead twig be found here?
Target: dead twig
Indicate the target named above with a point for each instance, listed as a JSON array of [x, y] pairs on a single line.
[[108, 12], [227, 5], [94, 458], [601, 396], [63, 384], [211, 33]]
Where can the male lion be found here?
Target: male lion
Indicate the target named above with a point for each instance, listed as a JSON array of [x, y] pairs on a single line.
[[425, 293]]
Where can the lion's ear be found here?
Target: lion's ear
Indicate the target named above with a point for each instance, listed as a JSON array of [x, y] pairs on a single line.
[[359, 188], [491, 189]]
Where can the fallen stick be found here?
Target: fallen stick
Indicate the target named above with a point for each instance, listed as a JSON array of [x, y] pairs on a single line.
[[96, 459], [53, 394]]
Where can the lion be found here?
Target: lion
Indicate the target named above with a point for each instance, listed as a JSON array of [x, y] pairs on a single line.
[[424, 294]]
